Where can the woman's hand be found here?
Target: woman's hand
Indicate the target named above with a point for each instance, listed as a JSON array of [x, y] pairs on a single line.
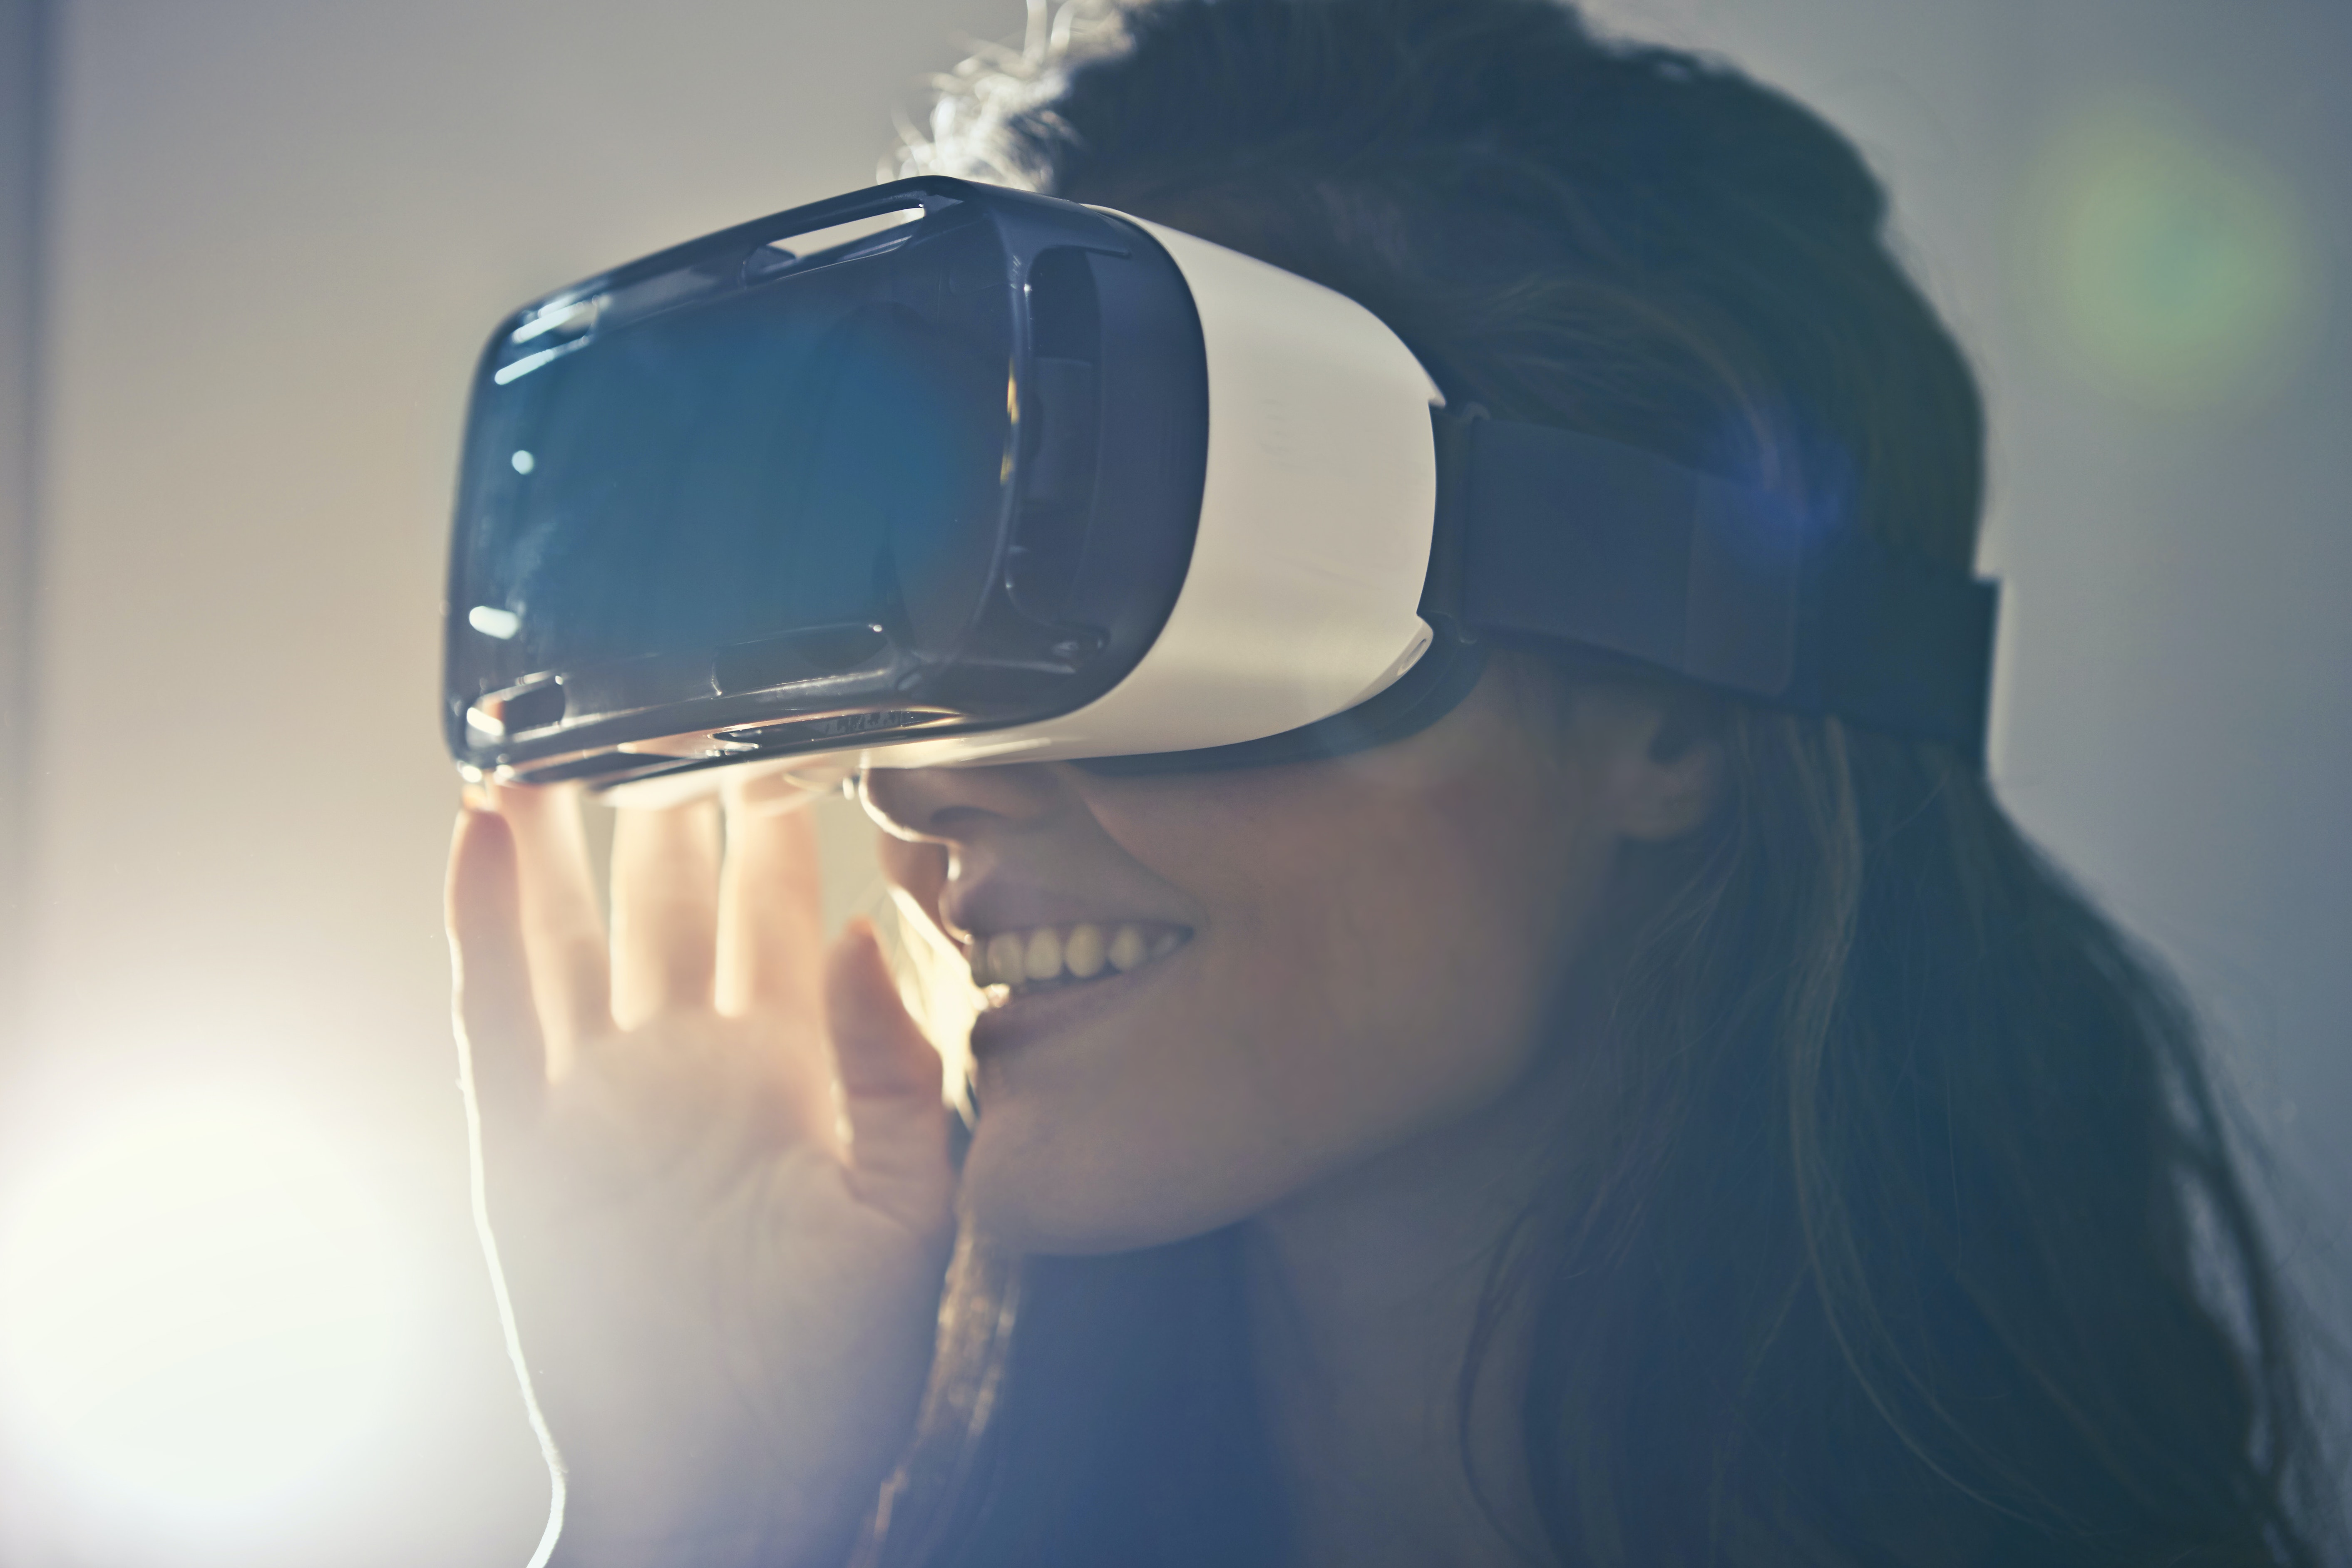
[[711, 1161]]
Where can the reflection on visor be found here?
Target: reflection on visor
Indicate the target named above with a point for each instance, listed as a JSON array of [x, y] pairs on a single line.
[[826, 458]]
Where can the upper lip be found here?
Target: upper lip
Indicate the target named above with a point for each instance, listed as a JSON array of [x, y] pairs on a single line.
[[999, 902]]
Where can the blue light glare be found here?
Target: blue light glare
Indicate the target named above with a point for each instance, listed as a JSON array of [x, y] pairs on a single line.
[[523, 462]]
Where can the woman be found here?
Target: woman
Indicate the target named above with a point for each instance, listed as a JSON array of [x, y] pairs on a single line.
[[1617, 1125]]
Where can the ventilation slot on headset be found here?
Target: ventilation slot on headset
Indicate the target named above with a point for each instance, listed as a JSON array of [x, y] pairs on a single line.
[[790, 252]]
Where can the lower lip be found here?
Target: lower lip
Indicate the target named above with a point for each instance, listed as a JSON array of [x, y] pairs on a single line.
[[1025, 1020]]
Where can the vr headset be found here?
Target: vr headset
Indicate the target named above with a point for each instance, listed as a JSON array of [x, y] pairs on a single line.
[[940, 473]]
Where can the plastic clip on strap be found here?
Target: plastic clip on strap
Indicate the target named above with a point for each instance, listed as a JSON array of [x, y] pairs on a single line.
[[1570, 538]]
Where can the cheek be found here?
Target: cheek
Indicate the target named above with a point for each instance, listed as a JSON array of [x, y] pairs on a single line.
[[1371, 970], [1399, 983]]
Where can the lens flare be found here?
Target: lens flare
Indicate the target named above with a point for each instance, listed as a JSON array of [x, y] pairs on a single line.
[[197, 1307], [2177, 267]]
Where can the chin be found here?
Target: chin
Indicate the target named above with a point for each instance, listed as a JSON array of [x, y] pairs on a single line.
[[1043, 1190]]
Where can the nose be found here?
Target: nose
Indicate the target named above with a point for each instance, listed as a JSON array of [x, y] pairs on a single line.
[[955, 805]]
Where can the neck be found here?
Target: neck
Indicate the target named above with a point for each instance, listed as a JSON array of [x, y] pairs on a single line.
[[1366, 1293]]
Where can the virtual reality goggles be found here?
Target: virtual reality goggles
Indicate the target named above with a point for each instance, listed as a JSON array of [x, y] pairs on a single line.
[[941, 473]]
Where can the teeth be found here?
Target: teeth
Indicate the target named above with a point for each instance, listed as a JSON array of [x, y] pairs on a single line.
[[1018, 959]]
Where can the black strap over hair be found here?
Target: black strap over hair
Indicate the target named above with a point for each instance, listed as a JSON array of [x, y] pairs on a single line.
[[1568, 537], [1563, 538]]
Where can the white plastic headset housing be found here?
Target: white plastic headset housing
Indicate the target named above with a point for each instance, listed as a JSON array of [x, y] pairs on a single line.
[[1315, 515]]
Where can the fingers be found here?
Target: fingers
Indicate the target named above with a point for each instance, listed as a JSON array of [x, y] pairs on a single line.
[[664, 910], [563, 929], [497, 1023], [890, 1087], [771, 950], [919, 867], [771, 910]]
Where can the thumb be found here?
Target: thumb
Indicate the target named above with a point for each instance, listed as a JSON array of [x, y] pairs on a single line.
[[890, 1081]]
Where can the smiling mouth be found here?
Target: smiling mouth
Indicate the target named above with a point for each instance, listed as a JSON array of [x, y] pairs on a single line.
[[1055, 958]]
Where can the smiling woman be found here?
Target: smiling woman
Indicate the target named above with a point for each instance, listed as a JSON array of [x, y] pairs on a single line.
[[1619, 1123], [1348, 955]]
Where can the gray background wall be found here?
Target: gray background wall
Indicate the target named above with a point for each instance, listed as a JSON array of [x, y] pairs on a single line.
[[275, 231], [22, 109]]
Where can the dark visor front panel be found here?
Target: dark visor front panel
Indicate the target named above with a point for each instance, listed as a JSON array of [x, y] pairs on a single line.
[[734, 500], [795, 480], [720, 477]]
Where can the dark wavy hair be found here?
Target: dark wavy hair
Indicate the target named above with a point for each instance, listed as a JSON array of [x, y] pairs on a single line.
[[1913, 1234]]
